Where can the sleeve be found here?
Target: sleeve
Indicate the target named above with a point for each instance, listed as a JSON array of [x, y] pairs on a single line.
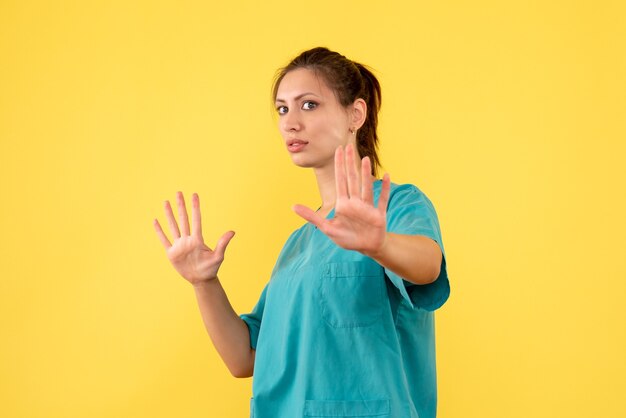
[[410, 212], [253, 319]]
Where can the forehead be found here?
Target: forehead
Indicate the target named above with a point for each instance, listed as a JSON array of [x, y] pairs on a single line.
[[301, 80]]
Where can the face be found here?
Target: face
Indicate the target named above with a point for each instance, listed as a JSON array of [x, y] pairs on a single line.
[[312, 122]]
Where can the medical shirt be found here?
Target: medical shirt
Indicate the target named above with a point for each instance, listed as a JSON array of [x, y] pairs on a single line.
[[338, 335]]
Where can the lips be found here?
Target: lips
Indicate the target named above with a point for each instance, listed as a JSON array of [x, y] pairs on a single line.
[[296, 145]]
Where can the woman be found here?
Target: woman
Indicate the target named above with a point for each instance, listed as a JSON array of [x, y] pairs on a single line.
[[345, 325]]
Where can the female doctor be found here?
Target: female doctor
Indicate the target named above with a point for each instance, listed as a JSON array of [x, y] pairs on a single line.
[[344, 327]]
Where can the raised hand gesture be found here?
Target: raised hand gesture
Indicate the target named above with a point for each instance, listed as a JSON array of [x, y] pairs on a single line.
[[189, 255], [357, 224]]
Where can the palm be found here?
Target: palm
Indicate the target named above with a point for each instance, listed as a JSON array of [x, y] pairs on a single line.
[[189, 255], [192, 258], [357, 224]]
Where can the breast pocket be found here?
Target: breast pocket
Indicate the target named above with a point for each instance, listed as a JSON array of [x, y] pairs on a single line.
[[352, 294]]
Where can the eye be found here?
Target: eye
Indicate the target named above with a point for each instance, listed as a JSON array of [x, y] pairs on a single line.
[[309, 105], [281, 110]]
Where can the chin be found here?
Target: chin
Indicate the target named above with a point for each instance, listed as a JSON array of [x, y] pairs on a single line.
[[308, 161], [301, 162]]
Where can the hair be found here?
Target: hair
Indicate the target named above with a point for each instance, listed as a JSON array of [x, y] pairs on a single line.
[[349, 81]]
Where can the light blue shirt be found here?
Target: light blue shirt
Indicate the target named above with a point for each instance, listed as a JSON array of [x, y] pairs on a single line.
[[338, 335]]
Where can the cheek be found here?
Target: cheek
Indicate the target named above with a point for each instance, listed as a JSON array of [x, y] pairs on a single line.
[[333, 125], [339, 128], [280, 125]]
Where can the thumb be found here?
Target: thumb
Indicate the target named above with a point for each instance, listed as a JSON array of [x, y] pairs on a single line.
[[308, 215], [222, 243]]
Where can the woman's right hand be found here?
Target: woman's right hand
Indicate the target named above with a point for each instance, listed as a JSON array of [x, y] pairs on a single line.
[[189, 255]]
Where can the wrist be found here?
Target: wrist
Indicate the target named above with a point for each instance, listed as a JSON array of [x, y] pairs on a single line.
[[378, 251], [204, 284]]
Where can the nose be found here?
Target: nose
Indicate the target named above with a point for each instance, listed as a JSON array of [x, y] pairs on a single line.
[[290, 122]]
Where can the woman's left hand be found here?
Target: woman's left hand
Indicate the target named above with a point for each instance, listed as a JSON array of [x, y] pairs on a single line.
[[358, 224]]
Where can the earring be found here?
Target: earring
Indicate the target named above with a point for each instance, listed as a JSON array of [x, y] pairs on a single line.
[[352, 131]]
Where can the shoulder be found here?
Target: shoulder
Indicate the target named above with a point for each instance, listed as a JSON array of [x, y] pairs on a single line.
[[403, 188], [406, 193]]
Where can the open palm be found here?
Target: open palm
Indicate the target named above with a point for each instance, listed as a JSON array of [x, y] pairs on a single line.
[[189, 255], [358, 224]]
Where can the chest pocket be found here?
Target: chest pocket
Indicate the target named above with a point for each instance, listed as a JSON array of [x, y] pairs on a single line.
[[352, 294]]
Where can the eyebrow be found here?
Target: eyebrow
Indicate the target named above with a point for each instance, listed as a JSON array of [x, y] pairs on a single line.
[[298, 97]]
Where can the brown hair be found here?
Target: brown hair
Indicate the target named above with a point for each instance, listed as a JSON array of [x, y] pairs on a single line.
[[349, 80]]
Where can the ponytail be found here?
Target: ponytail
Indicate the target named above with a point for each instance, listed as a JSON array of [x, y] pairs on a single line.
[[367, 137]]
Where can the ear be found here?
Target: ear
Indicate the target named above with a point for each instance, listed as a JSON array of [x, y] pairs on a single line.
[[359, 113]]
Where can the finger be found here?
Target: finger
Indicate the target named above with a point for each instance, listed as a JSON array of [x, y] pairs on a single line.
[[166, 243], [182, 214], [196, 220], [340, 174], [222, 243], [367, 186], [353, 177], [384, 194], [171, 220], [309, 215]]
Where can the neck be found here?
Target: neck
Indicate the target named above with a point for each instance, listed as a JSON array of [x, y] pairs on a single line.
[[327, 187]]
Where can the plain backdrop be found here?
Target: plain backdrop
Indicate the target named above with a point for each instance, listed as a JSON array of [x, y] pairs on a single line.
[[510, 116]]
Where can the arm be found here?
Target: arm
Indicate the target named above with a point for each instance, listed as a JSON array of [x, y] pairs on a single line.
[[416, 258], [199, 264], [228, 332], [359, 225]]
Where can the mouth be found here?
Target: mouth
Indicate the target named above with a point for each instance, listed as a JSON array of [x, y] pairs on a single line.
[[296, 145]]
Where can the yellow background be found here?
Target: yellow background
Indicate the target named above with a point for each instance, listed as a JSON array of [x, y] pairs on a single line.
[[509, 116]]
